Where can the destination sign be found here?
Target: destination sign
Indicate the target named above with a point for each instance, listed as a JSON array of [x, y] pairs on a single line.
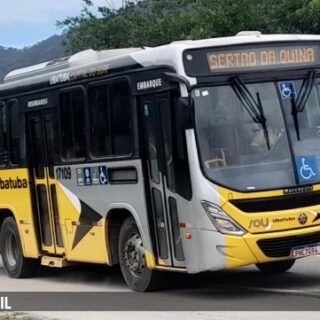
[[206, 61], [262, 57]]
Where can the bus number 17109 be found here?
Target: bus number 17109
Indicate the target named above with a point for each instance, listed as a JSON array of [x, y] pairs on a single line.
[[63, 173]]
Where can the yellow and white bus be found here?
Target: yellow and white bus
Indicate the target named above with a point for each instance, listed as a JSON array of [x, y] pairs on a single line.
[[189, 157]]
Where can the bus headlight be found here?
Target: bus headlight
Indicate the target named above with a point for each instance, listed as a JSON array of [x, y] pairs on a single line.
[[221, 220]]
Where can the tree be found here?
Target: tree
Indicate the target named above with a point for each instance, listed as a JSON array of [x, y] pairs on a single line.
[[156, 22], [299, 16]]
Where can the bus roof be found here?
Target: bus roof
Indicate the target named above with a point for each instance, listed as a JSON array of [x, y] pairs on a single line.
[[169, 54]]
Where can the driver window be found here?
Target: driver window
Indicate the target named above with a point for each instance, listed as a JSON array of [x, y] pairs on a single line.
[[229, 134], [218, 126]]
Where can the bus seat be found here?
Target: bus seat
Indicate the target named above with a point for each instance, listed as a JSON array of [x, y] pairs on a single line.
[[221, 146]]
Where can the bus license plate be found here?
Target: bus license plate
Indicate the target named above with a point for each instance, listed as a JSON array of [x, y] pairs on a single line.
[[305, 251]]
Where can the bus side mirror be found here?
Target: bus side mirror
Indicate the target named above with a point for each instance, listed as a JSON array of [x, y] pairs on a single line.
[[184, 113], [184, 121]]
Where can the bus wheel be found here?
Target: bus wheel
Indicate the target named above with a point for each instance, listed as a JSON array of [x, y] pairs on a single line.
[[15, 264], [276, 266], [132, 259]]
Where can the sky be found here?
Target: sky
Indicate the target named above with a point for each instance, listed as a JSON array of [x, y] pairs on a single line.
[[26, 22]]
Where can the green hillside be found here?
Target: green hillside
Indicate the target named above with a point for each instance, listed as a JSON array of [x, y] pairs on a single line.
[[11, 58]]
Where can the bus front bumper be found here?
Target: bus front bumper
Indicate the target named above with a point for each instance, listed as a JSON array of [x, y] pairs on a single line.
[[268, 247]]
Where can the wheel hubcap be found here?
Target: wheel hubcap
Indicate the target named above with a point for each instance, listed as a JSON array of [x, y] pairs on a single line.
[[12, 250], [134, 256]]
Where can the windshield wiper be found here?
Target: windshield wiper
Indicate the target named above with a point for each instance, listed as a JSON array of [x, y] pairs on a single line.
[[253, 107], [298, 105]]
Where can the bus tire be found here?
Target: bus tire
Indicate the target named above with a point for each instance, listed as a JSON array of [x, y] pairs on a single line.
[[275, 266], [132, 260], [15, 264]]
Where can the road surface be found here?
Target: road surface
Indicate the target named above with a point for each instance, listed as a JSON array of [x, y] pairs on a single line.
[[91, 287]]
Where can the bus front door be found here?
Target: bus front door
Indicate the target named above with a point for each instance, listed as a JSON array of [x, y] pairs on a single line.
[[158, 129], [41, 148]]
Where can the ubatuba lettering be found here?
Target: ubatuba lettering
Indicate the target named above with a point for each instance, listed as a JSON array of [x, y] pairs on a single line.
[[11, 183]]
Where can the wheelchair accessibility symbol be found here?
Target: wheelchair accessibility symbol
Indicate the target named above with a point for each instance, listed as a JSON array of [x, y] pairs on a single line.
[[307, 168], [287, 90], [103, 175]]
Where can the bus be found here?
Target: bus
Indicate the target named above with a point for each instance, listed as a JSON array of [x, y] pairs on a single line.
[[188, 157]]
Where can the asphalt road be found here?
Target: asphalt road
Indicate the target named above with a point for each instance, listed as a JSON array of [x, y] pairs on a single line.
[[90, 287]]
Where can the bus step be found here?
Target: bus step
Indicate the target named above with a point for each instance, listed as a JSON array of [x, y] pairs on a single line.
[[54, 262]]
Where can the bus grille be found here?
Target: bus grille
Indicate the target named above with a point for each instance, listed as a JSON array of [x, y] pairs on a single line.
[[281, 247], [286, 202]]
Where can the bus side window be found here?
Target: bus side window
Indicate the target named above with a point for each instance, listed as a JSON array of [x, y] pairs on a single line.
[[72, 121], [3, 136], [99, 121], [121, 118], [110, 119], [14, 139]]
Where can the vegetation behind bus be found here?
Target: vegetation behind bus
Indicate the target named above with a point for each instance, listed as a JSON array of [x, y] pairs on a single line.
[[152, 23], [156, 22]]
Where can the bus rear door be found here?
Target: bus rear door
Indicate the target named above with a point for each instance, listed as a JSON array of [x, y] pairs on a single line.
[[41, 151]]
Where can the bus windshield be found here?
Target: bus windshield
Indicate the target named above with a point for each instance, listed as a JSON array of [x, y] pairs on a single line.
[[246, 151]]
